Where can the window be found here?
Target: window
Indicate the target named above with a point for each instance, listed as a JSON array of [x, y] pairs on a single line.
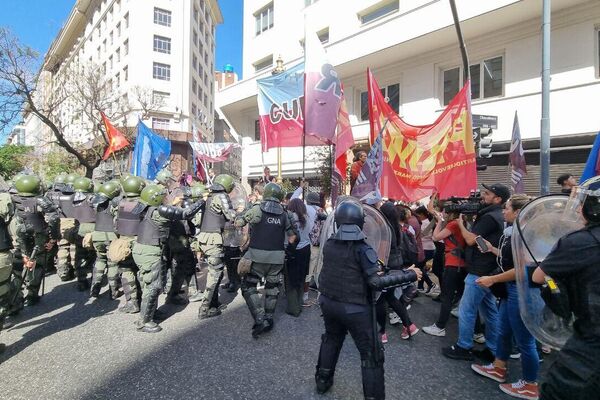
[[112, 38], [195, 38], [486, 80], [205, 100], [263, 64], [126, 18], [264, 19], [104, 45], [205, 58], [104, 67], [118, 55], [162, 44], [195, 14], [194, 62], [194, 110], [118, 78], [161, 71], [126, 73], [160, 97], [99, 52], [160, 123], [391, 93], [194, 90], [378, 11], [110, 62], [119, 29], [126, 47], [309, 2], [257, 129], [162, 17], [323, 35]]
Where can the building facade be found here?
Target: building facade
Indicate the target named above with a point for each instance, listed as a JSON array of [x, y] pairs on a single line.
[[412, 49], [161, 48]]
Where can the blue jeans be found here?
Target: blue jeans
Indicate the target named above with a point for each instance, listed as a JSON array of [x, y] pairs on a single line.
[[477, 298], [511, 325]]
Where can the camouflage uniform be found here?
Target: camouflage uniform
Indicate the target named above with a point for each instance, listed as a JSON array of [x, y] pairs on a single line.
[[6, 256]]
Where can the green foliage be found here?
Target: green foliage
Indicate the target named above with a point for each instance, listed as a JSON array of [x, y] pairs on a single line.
[[13, 159], [288, 186], [56, 162], [324, 159]]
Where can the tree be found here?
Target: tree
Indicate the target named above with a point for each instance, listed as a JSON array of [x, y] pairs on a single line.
[[66, 96], [12, 159]]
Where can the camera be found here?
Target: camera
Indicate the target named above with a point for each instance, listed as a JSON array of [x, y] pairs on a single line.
[[463, 205]]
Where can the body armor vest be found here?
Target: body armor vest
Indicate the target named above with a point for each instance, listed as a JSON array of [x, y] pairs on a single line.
[[150, 233], [26, 208], [54, 196], [341, 277], [104, 219], [269, 233], [65, 203], [84, 212], [212, 222], [182, 228], [127, 221], [5, 240]]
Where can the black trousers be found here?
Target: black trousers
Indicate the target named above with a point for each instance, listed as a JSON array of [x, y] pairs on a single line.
[[439, 260], [231, 259], [341, 319], [453, 284]]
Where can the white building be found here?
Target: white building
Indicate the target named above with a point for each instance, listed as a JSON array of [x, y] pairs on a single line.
[[166, 47], [412, 48]]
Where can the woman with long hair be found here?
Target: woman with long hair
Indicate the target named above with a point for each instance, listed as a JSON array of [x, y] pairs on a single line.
[[298, 260]]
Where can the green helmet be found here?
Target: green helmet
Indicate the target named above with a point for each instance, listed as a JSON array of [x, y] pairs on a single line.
[[273, 192], [197, 191], [71, 178], [153, 195], [110, 189], [133, 186], [60, 178], [83, 185], [223, 182], [124, 177], [28, 185], [164, 176]]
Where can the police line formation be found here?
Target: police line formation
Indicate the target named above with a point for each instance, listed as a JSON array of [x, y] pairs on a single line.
[[130, 231]]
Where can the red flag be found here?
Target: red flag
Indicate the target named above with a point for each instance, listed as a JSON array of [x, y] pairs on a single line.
[[116, 140], [420, 159], [344, 139]]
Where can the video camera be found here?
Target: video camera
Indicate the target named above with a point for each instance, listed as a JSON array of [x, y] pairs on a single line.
[[463, 205]]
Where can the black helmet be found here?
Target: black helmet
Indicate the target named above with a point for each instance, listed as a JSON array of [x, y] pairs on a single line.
[[349, 218], [313, 198], [591, 204]]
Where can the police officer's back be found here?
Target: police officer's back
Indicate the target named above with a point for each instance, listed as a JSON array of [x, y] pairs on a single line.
[[347, 282]]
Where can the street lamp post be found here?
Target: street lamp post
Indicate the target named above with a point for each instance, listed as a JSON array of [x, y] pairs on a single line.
[[279, 68]]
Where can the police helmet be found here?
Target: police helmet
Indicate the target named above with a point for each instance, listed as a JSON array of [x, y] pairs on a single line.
[[591, 203], [133, 186], [273, 192], [223, 182], [83, 185], [349, 218], [28, 185], [153, 195], [110, 189], [164, 176]]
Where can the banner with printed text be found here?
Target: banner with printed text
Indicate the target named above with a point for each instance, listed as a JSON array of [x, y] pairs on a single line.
[[421, 160]]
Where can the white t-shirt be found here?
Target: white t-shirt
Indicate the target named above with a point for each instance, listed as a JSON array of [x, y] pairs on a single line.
[[426, 238]]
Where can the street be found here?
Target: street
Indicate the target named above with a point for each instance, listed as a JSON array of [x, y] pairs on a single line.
[[68, 347]]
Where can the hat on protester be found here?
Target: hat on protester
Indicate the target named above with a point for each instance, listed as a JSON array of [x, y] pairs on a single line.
[[499, 190]]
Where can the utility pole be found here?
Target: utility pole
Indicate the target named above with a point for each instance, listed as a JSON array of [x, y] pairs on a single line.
[[279, 68], [545, 121]]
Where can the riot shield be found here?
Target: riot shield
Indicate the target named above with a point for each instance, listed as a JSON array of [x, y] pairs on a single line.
[[540, 224], [232, 236], [375, 228], [174, 197]]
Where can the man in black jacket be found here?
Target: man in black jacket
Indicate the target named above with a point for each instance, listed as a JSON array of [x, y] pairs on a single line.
[[489, 224]]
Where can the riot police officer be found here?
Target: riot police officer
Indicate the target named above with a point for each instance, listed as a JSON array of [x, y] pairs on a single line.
[[68, 230], [218, 209], [37, 229], [6, 256], [348, 280], [269, 226], [573, 265], [127, 224], [106, 204], [153, 234], [85, 214]]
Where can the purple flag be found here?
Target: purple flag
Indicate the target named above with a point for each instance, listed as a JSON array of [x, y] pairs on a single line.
[[518, 168], [366, 188]]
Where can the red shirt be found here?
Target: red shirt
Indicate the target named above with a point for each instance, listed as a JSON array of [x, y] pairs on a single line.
[[453, 242]]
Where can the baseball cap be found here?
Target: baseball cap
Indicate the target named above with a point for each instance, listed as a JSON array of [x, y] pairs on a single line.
[[499, 190]]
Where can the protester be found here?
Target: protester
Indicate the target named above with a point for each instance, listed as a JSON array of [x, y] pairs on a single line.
[[359, 161], [566, 182], [426, 230], [489, 225], [298, 260], [266, 177], [448, 230]]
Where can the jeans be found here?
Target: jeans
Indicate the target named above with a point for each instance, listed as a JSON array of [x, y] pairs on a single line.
[[511, 325], [476, 298]]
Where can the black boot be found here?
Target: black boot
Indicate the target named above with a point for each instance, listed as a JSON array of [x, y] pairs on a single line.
[[84, 285], [373, 382], [259, 327], [145, 323], [324, 380], [31, 300], [176, 299], [95, 292]]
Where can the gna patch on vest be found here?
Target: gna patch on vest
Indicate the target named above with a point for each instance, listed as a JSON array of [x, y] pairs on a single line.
[[274, 220]]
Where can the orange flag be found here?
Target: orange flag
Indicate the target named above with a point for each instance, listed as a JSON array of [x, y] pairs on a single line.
[[116, 140]]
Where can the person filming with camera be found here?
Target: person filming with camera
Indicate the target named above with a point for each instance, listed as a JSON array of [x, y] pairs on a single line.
[[488, 226]]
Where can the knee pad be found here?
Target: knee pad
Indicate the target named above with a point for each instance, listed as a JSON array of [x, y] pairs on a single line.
[[214, 261]]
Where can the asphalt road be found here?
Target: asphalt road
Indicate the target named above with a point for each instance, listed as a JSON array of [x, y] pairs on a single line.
[[69, 347]]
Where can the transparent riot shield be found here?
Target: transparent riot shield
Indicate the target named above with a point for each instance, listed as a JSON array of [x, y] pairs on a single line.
[[540, 224], [375, 228], [232, 236], [174, 197]]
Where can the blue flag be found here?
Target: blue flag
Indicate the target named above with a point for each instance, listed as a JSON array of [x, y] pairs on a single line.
[[366, 188], [592, 166], [150, 154]]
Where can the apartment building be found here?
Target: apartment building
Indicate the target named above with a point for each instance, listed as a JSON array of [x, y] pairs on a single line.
[[412, 49], [164, 47]]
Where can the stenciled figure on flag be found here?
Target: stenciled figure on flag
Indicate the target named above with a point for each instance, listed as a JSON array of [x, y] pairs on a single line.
[[367, 183]]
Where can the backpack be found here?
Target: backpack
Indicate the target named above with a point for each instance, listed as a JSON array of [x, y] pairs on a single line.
[[315, 233], [408, 247]]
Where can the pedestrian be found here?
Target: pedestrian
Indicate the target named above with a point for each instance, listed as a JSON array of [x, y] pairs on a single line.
[[359, 161], [566, 182], [573, 264], [266, 177], [511, 324], [427, 247], [298, 258], [348, 281]]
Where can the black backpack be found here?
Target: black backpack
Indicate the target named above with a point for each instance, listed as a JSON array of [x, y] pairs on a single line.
[[407, 244]]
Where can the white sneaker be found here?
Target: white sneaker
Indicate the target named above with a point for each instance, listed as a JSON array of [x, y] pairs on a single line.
[[433, 291], [454, 312], [394, 318], [433, 330], [479, 338]]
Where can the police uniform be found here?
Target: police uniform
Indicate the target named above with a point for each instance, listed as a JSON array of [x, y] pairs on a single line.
[[269, 226], [573, 264], [85, 214], [68, 235], [348, 278], [127, 225], [6, 256], [102, 236]]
